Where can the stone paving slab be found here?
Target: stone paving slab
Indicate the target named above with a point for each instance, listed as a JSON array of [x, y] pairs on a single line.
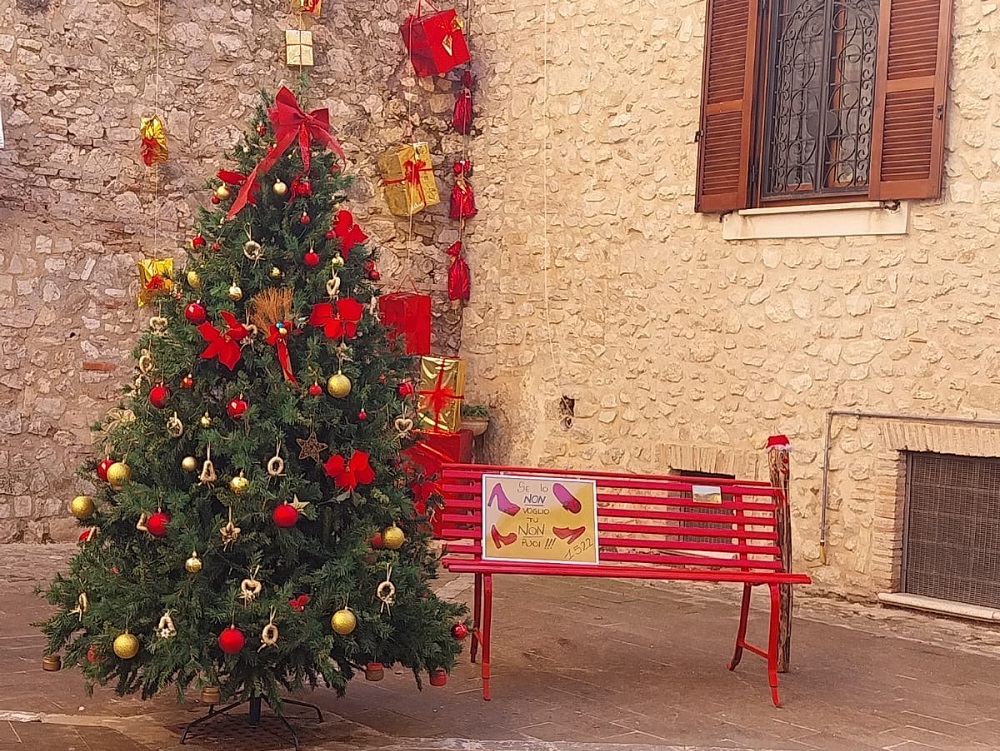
[[578, 665]]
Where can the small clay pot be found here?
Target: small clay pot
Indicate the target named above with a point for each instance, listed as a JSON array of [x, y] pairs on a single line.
[[211, 695], [51, 663], [374, 671], [439, 677]]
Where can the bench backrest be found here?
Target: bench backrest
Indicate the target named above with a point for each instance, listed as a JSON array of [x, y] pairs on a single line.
[[642, 520]]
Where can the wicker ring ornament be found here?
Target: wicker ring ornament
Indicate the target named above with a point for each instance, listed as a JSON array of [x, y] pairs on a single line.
[[146, 362], [175, 428], [252, 250], [269, 636], [333, 286], [158, 324], [250, 589]]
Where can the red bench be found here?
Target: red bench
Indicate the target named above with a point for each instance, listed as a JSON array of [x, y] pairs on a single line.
[[648, 527]]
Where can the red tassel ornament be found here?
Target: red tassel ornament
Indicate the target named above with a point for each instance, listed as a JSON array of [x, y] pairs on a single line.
[[463, 200], [461, 119], [459, 280]]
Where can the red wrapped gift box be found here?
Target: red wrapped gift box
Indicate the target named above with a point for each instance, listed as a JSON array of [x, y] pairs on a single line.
[[436, 42], [408, 314], [434, 449]]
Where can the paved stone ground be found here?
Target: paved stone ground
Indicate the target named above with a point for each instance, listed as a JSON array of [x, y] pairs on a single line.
[[579, 665]]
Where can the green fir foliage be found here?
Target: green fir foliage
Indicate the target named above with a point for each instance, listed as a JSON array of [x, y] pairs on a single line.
[[131, 577]]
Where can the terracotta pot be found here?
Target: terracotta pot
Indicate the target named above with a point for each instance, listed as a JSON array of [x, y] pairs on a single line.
[[51, 663], [374, 671], [439, 677], [211, 695]]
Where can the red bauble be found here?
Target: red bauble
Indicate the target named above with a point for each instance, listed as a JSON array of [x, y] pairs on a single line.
[[157, 524], [216, 246], [376, 541], [311, 258], [195, 312], [305, 218], [460, 631], [362, 415], [92, 654], [214, 198], [102, 468], [285, 515], [198, 241], [261, 129], [231, 640], [405, 389], [86, 535], [236, 407], [158, 395], [315, 389], [375, 276], [187, 382]]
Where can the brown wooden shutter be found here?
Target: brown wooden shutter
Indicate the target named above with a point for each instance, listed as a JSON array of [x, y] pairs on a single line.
[[727, 88], [911, 93]]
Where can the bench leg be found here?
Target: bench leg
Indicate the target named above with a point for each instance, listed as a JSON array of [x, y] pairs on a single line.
[[485, 630], [772, 643], [477, 611], [741, 632]]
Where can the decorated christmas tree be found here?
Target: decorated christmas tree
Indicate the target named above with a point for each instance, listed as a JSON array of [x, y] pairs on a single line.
[[252, 525]]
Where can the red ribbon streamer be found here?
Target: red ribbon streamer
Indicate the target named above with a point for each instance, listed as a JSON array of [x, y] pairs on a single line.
[[290, 123], [280, 342]]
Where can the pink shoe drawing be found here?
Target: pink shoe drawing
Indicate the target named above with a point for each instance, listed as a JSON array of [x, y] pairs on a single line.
[[503, 502], [566, 499]]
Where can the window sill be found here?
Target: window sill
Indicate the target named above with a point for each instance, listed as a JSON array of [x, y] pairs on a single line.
[[943, 607], [819, 220]]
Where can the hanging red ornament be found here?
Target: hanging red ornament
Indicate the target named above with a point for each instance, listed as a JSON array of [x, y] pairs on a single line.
[[198, 241], [261, 129], [461, 119], [92, 654], [405, 389], [301, 187], [459, 279], [102, 468], [463, 200], [214, 198], [157, 524], [311, 258], [315, 389], [231, 640], [285, 515], [236, 407], [304, 218], [362, 415], [376, 541], [158, 395], [187, 382], [195, 312], [216, 246], [459, 631]]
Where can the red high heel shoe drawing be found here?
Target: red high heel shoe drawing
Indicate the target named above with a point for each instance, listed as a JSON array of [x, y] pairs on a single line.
[[566, 499], [567, 534], [500, 540], [503, 502]]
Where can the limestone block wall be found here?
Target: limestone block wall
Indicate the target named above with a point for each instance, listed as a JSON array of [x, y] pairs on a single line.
[[77, 205], [680, 350]]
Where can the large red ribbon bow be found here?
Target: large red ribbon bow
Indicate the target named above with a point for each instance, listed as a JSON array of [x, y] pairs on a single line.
[[350, 474], [225, 346], [342, 321], [238, 179], [277, 337], [290, 123], [350, 234]]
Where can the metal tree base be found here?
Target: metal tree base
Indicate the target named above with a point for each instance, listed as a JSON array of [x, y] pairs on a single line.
[[255, 706]]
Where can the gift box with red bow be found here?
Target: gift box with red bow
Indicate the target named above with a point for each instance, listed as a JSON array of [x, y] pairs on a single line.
[[408, 176], [435, 41], [442, 387], [407, 315]]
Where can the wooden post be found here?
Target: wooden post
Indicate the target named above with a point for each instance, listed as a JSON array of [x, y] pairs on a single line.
[[777, 459]]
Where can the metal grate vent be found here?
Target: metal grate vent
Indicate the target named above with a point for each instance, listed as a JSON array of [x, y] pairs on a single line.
[[951, 543]]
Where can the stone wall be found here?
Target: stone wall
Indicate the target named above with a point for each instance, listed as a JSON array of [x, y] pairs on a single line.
[[685, 351], [78, 208]]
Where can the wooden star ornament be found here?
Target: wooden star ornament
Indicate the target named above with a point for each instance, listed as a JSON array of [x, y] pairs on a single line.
[[311, 447]]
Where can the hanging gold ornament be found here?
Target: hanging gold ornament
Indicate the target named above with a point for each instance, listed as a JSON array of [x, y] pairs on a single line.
[[126, 646], [205, 420], [189, 464], [393, 538], [193, 279], [239, 484], [82, 507], [279, 188], [235, 293], [193, 564], [118, 475], [253, 250], [222, 192], [338, 385], [275, 272], [344, 621]]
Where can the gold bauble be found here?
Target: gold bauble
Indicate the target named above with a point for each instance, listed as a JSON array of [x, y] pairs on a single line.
[[222, 192], [82, 507], [205, 421], [393, 538], [275, 272], [239, 484], [193, 279], [189, 464], [279, 188], [126, 646], [344, 621], [193, 564], [339, 385], [235, 293], [118, 475]]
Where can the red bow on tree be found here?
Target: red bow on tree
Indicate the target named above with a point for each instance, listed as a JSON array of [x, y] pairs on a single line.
[[349, 475], [350, 234], [340, 322], [298, 603], [422, 491], [277, 337], [237, 179], [225, 346], [459, 279], [290, 123]]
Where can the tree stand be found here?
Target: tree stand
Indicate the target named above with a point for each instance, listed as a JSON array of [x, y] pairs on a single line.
[[255, 705]]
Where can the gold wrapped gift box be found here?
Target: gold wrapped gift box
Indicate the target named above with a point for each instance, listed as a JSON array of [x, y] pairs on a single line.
[[442, 387], [408, 175], [298, 47]]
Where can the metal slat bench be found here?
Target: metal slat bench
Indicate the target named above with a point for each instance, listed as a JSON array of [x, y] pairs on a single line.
[[648, 527]]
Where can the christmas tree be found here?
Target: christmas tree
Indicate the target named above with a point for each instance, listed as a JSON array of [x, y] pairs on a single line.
[[253, 527]]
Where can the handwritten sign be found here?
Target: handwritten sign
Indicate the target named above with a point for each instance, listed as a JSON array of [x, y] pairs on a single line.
[[551, 519]]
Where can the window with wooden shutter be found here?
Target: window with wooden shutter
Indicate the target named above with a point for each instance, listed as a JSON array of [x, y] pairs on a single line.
[[911, 99], [728, 83], [806, 101]]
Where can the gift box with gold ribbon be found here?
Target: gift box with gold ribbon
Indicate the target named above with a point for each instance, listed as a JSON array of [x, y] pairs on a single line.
[[298, 47], [442, 388], [434, 40], [408, 176]]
